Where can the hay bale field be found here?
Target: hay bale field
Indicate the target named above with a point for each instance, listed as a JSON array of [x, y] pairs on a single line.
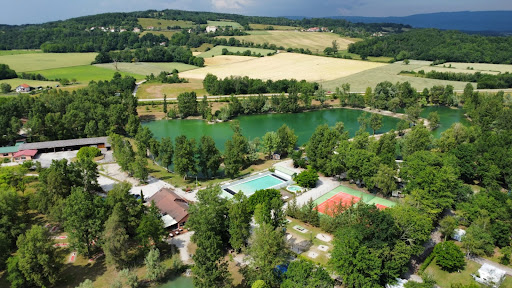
[[226, 59], [157, 90], [233, 24], [371, 77], [146, 68], [161, 23], [480, 67], [314, 41], [84, 74], [217, 50], [43, 61], [287, 66]]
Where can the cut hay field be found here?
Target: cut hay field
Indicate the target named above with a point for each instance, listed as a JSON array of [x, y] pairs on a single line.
[[427, 69], [217, 50], [43, 61], [233, 24], [202, 48], [287, 66], [316, 42], [226, 59], [18, 52], [84, 74], [161, 23], [371, 77], [481, 67], [276, 27], [146, 68], [167, 34], [157, 90], [33, 83]]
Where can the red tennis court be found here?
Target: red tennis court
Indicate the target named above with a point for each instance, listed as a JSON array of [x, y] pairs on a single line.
[[381, 207], [344, 198]]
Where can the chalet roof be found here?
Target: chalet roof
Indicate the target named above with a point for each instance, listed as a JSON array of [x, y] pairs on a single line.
[[169, 203], [65, 143], [24, 86]]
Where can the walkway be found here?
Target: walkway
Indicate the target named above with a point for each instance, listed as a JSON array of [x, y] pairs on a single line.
[[181, 241]]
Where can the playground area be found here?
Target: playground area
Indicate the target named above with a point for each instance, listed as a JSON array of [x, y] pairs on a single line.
[[329, 203]]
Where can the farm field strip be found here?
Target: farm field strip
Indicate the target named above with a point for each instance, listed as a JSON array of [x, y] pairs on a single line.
[[226, 59], [146, 68], [18, 52], [276, 27], [157, 90], [44, 61], [167, 34], [233, 24], [33, 83], [84, 73], [147, 22], [479, 67], [453, 70], [217, 51], [287, 66]]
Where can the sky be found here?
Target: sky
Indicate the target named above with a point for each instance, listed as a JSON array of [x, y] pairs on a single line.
[[39, 11]]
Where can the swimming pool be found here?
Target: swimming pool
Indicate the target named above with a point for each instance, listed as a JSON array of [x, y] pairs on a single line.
[[251, 186], [294, 188]]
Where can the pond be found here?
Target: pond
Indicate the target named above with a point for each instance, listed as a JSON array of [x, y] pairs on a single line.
[[180, 282], [447, 116], [254, 126]]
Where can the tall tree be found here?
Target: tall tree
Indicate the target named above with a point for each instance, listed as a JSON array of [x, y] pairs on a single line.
[[418, 139], [375, 122], [165, 152], [287, 139], [239, 221], [151, 227], [165, 104], [187, 104], [270, 143], [132, 210], [235, 154], [210, 270], [209, 156], [385, 179], [155, 270], [184, 156], [321, 146], [303, 273], [115, 239]]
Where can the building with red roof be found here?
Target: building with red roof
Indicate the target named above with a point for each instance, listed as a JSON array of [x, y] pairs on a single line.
[[24, 155]]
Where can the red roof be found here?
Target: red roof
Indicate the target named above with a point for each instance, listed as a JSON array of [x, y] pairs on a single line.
[[171, 204], [25, 86], [30, 153]]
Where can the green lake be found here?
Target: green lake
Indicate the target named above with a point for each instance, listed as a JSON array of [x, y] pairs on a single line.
[[180, 282], [304, 124]]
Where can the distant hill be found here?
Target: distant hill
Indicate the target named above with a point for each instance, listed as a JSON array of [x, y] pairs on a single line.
[[479, 21]]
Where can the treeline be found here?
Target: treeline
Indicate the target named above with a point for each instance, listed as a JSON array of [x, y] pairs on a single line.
[[97, 110], [155, 54], [432, 45], [483, 80], [246, 85], [6, 72], [247, 52], [166, 77]]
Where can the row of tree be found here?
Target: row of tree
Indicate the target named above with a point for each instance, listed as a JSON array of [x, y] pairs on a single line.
[[483, 80]]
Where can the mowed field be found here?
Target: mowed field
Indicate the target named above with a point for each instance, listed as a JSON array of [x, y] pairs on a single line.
[[427, 69], [287, 66], [276, 27], [157, 90], [217, 50], [235, 25], [43, 61], [167, 34], [84, 74], [33, 83], [371, 77], [479, 67], [161, 23], [18, 52], [146, 68], [226, 59], [314, 41]]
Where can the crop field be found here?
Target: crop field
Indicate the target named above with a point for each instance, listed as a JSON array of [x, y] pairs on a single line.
[[233, 24], [316, 42], [479, 67], [157, 90], [217, 50], [43, 61], [453, 70], [33, 83], [146, 68], [371, 77], [18, 52], [226, 59], [202, 48], [167, 34], [161, 23], [276, 27], [287, 66], [84, 74]]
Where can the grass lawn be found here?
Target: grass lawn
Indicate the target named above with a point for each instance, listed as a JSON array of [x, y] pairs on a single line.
[[18, 52], [84, 74], [316, 42], [276, 27], [146, 68], [233, 24], [217, 50], [167, 34], [43, 61], [313, 231], [157, 90], [445, 279], [161, 23]]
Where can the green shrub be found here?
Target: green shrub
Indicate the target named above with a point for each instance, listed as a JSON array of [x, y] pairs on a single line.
[[307, 178], [449, 256], [88, 153]]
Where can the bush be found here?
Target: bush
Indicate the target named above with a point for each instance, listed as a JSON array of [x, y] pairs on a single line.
[[307, 178], [5, 87], [88, 153], [262, 196], [449, 256]]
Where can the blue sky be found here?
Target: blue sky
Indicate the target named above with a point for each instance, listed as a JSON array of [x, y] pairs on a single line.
[[38, 11]]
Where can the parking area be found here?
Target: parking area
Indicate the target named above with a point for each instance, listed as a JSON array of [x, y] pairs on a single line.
[[46, 158]]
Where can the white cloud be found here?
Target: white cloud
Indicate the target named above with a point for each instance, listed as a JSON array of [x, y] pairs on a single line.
[[231, 5]]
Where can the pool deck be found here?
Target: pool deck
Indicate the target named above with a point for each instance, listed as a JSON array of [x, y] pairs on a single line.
[[227, 192]]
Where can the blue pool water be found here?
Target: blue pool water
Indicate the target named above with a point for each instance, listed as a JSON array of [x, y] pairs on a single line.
[[294, 188], [252, 186]]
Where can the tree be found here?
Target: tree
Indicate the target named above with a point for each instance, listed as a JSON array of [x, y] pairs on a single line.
[[401, 126], [210, 270], [209, 156], [375, 122], [303, 273], [478, 240], [270, 143], [86, 284], [165, 152], [187, 104], [139, 168], [264, 196], [115, 239], [38, 259], [88, 174], [84, 215], [239, 221], [6, 72], [14, 274], [132, 209], [406, 61], [88, 153], [259, 284], [307, 178], [5, 87], [418, 139], [334, 46], [155, 270], [165, 104], [320, 95], [385, 179], [413, 112], [321, 146], [448, 225], [433, 119], [184, 156], [151, 227], [235, 153], [449, 257], [286, 139]]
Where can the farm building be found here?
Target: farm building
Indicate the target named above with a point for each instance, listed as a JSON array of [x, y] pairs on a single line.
[[490, 276], [66, 145], [136, 30], [9, 151], [24, 155], [23, 88], [211, 29], [174, 209]]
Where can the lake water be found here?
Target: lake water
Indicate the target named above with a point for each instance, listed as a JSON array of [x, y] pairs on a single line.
[[180, 282], [304, 124]]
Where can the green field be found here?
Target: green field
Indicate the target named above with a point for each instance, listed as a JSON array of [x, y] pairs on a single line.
[[157, 90], [33, 83], [217, 50], [18, 52], [316, 42], [235, 25], [43, 61], [371, 77], [84, 74], [481, 67], [163, 24], [276, 27], [167, 34], [381, 59], [146, 68]]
